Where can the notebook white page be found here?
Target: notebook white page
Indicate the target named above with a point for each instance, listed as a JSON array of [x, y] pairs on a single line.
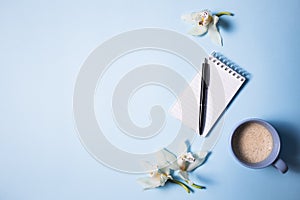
[[223, 85]]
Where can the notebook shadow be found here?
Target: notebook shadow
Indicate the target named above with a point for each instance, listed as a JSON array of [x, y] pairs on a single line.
[[290, 144]]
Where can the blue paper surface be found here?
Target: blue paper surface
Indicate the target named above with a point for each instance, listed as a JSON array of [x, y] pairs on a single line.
[[43, 45]]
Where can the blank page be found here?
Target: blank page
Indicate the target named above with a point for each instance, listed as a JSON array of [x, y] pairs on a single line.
[[224, 84]]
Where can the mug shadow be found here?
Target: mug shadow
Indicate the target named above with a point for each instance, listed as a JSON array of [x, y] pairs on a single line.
[[290, 144]]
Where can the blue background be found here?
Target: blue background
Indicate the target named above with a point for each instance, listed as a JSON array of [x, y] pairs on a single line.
[[42, 47]]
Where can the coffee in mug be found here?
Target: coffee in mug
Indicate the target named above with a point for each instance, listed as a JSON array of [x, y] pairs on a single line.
[[256, 144]]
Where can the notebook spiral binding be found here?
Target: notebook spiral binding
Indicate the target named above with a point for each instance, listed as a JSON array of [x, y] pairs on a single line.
[[238, 72]]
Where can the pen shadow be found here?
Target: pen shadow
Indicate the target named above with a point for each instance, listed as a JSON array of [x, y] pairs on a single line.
[[290, 144]]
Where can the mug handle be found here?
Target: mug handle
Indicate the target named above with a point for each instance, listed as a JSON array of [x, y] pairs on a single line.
[[280, 165]]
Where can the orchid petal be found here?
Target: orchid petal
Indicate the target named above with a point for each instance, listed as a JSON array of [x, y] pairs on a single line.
[[170, 157], [213, 31], [196, 16], [201, 154], [174, 166], [200, 158], [182, 164], [164, 170], [164, 179], [215, 20], [192, 18], [183, 148], [189, 157], [188, 18], [198, 30], [149, 182], [184, 175], [167, 159], [148, 166]]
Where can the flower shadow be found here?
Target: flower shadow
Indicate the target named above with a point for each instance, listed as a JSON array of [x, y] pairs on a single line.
[[225, 24], [205, 180], [200, 178]]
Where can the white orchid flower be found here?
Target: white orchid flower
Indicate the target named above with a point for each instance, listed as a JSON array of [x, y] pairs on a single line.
[[157, 178], [161, 173], [205, 22], [184, 163], [188, 162]]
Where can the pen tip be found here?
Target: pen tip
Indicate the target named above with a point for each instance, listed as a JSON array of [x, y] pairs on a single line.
[[205, 60]]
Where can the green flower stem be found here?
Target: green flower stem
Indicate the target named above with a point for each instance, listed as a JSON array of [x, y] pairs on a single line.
[[181, 184], [219, 14], [198, 186], [195, 185]]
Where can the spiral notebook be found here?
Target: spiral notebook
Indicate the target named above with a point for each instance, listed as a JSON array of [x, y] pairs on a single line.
[[226, 79]]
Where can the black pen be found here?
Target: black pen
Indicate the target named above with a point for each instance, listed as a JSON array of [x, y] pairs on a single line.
[[203, 95]]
